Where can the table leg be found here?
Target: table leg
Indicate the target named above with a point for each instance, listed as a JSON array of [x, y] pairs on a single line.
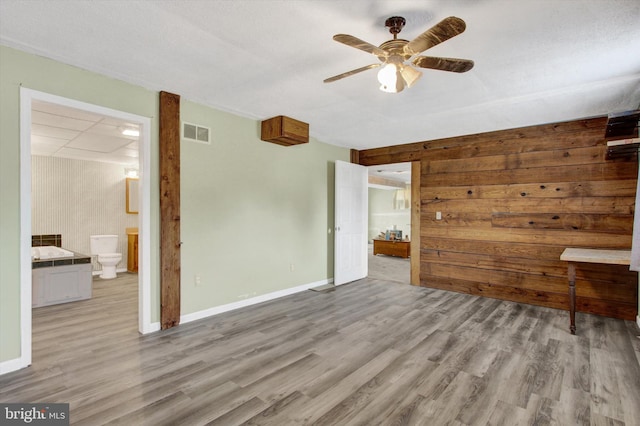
[[572, 296]]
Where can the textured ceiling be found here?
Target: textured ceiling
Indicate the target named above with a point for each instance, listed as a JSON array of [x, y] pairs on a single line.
[[535, 61]]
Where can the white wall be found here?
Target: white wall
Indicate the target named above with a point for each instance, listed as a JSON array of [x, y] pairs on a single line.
[[77, 199], [383, 215]]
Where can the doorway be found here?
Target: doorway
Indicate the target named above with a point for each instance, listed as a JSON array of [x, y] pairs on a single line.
[[389, 217], [27, 98]]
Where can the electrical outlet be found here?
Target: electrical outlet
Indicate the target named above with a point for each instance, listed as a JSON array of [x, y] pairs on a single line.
[[292, 267], [198, 281], [438, 215]]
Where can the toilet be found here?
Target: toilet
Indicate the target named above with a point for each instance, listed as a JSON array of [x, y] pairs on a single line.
[[105, 246]]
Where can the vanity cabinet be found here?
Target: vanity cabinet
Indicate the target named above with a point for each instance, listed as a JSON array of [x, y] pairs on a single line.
[[132, 250]]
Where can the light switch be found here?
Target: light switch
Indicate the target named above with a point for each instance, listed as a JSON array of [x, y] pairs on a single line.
[[438, 215]]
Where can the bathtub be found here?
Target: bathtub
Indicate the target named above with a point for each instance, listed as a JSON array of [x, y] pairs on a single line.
[[49, 252], [59, 276]]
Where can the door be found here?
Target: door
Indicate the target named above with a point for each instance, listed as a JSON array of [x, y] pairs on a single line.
[[351, 205]]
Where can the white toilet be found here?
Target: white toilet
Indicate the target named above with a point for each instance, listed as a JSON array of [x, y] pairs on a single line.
[[105, 246]]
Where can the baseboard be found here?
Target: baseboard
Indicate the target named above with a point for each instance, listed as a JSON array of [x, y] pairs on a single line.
[[153, 327], [248, 302], [13, 365]]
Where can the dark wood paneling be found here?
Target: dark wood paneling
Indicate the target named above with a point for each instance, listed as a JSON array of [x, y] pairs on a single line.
[[169, 139], [608, 223], [511, 201], [617, 188]]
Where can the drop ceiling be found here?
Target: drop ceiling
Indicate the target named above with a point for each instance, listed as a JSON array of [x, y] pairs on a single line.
[[536, 61], [60, 131]]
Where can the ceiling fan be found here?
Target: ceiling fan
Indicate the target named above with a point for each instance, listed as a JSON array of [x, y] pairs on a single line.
[[395, 73]]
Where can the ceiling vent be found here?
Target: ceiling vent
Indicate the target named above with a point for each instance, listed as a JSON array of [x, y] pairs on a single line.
[[196, 133]]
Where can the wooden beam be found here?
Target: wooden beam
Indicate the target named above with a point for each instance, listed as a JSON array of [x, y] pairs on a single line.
[[355, 156], [378, 180], [415, 223], [169, 210]]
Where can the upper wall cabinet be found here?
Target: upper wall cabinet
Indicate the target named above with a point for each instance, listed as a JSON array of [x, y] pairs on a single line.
[[284, 131]]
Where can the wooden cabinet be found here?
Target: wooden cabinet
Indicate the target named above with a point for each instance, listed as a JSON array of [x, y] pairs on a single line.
[[284, 131], [392, 248], [132, 251]]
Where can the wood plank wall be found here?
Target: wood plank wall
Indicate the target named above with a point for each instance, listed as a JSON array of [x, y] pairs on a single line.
[[511, 201]]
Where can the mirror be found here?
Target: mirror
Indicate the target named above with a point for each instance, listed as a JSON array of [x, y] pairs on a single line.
[[132, 195]]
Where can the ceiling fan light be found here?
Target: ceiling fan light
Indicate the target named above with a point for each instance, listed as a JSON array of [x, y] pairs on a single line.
[[410, 75], [390, 79]]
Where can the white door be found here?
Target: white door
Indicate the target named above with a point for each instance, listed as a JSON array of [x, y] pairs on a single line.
[[351, 207]]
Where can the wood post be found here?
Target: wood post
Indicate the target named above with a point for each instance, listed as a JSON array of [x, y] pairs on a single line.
[[415, 223], [169, 210], [355, 156], [571, 274]]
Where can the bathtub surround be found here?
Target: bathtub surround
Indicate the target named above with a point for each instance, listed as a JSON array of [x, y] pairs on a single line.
[[46, 240], [75, 259], [61, 283], [58, 275]]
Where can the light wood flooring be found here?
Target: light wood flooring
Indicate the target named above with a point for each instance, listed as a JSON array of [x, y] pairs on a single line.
[[388, 268], [367, 353]]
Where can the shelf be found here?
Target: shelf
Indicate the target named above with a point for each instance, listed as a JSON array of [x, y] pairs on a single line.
[[621, 135], [622, 148]]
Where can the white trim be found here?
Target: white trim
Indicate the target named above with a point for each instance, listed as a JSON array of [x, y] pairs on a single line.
[[638, 321], [25, 228], [153, 327], [144, 234], [144, 277], [252, 301], [12, 365]]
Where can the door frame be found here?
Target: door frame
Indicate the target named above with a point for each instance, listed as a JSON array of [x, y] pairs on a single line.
[[144, 274], [414, 258]]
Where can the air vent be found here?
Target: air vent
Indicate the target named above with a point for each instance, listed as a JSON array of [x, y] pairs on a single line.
[[196, 133]]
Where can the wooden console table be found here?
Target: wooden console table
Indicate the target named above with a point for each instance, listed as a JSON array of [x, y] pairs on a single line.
[[400, 248], [579, 255]]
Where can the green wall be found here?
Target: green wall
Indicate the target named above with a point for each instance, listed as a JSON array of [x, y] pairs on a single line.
[[250, 209], [383, 215]]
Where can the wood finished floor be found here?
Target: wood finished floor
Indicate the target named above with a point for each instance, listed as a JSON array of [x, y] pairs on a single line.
[[389, 268], [367, 353]]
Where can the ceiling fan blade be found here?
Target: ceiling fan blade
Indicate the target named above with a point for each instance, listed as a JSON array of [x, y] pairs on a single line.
[[442, 31], [444, 64], [352, 72], [360, 44]]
